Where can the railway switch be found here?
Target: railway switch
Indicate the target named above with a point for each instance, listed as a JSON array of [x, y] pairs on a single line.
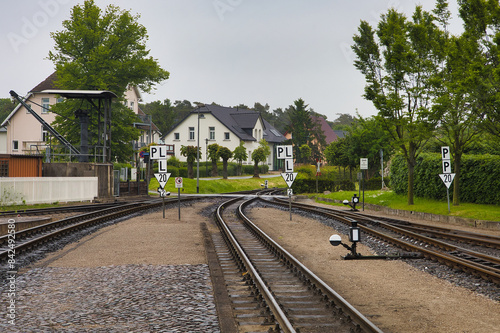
[[353, 203]]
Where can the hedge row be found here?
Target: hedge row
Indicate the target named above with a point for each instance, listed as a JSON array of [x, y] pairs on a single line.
[[479, 181], [374, 183], [231, 170], [308, 185]]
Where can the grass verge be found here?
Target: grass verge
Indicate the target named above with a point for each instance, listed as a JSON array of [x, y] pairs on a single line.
[[395, 201], [219, 185]]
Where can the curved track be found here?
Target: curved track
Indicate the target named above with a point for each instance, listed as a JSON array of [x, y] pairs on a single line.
[[290, 297], [418, 241], [27, 240]]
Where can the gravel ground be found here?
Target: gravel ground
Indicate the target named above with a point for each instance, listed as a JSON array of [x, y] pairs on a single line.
[[128, 298], [394, 295], [144, 274]]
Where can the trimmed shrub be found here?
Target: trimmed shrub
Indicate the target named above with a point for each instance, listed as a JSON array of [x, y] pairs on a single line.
[[478, 182]]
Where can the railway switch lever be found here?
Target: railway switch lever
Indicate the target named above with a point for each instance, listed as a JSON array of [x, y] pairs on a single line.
[[353, 203]]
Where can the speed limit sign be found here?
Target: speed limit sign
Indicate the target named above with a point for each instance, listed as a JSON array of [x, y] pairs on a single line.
[[178, 182]]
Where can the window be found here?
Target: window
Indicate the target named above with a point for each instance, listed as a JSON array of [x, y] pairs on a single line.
[[250, 155], [226, 136], [132, 105], [15, 145], [4, 168], [45, 105], [177, 136], [212, 133], [275, 132], [45, 135], [191, 133]]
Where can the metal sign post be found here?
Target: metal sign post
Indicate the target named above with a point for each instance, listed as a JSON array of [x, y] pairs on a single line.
[[159, 153], [178, 185], [286, 153], [363, 165], [447, 176]]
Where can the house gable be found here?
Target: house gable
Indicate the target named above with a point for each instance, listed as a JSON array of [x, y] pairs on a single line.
[[228, 127]]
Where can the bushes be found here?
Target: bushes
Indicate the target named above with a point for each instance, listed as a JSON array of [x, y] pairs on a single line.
[[478, 183], [374, 183], [308, 185]]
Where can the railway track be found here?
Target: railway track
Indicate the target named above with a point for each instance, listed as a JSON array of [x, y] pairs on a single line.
[[57, 210], [418, 240], [28, 240], [270, 289]]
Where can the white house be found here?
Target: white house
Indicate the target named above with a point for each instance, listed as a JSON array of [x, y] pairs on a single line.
[[25, 135], [227, 127]]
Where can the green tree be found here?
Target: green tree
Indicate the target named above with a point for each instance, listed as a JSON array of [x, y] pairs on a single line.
[[213, 155], [225, 153], [102, 50], [6, 107], [304, 130], [337, 153], [162, 113], [240, 155], [343, 122], [190, 152], [458, 125], [399, 69], [265, 145], [258, 155], [305, 152], [365, 140]]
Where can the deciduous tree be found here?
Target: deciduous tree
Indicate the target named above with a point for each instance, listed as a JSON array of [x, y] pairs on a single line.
[[398, 60], [240, 155], [213, 155], [103, 50], [225, 153], [190, 152]]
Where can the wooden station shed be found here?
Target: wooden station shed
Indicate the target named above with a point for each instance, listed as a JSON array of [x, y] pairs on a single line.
[[20, 165]]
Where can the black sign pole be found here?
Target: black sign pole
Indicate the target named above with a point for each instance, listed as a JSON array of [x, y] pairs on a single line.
[[290, 201], [179, 201], [163, 197], [363, 176]]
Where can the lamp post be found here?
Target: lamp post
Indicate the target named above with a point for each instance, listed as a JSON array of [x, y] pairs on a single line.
[[206, 157]]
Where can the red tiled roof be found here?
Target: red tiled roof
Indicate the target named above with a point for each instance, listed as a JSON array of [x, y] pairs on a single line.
[[330, 135]]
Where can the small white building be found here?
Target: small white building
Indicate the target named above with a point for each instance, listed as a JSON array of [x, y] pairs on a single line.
[[227, 127]]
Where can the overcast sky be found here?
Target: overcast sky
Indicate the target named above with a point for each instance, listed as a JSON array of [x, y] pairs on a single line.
[[223, 51]]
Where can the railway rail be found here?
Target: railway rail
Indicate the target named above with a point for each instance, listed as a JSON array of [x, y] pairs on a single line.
[[29, 239], [57, 210], [474, 262], [277, 292]]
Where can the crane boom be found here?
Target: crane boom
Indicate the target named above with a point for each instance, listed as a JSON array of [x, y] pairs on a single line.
[[46, 125]]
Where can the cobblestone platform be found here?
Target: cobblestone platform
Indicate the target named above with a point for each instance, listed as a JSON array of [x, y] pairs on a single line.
[[126, 298]]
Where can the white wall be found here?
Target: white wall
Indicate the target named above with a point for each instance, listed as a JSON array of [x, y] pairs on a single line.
[[3, 142], [32, 190], [205, 123]]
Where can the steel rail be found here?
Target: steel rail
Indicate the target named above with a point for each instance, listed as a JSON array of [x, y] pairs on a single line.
[[53, 210], [441, 232], [314, 280], [279, 315], [65, 226], [486, 272]]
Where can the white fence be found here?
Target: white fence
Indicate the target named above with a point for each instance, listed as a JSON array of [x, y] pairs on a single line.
[[32, 190]]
